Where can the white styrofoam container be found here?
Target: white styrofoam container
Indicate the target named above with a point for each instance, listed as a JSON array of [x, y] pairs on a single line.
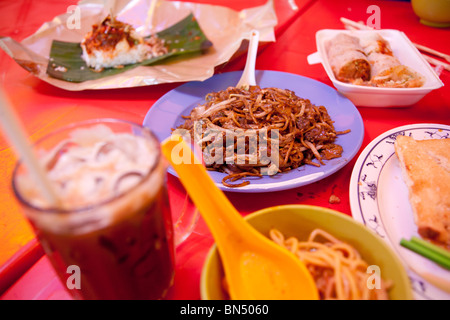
[[403, 49]]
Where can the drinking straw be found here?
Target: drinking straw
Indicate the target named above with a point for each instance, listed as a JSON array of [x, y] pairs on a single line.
[[428, 250], [15, 131]]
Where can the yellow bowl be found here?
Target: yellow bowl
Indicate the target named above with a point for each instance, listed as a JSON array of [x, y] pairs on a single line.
[[434, 13], [299, 221]]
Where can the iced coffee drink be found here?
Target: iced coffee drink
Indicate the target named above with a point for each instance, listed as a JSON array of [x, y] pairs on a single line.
[[113, 222]]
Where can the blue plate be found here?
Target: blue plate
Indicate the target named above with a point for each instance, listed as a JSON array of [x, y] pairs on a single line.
[[167, 113]]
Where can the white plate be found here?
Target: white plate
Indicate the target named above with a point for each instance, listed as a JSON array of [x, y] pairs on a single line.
[[403, 49], [379, 199]]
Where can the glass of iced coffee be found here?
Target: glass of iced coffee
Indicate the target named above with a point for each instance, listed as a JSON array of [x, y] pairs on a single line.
[[111, 234]]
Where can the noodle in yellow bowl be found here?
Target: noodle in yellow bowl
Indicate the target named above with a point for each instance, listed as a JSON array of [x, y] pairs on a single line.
[[347, 260]]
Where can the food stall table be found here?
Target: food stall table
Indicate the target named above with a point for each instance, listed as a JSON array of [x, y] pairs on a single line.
[[27, 273]]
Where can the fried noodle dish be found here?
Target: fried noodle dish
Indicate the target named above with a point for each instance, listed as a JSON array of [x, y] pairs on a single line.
[[304, 132]]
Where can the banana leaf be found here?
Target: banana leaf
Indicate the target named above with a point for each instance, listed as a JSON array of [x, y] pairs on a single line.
[[182, 38]]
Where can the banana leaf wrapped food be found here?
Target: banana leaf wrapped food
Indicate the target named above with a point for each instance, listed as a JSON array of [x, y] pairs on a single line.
[[113, 47], [113, 43]]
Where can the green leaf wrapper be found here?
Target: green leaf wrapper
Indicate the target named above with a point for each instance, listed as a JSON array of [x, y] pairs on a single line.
[[184, 37]]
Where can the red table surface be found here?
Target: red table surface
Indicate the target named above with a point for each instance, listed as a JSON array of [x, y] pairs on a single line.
[[44, 107]]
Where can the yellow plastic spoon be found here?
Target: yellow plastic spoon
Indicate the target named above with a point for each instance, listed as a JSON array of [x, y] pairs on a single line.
[[255, 267]]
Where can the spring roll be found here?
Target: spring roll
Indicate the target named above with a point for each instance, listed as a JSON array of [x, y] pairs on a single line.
[[374, 43], [347, 59], [386, 69]]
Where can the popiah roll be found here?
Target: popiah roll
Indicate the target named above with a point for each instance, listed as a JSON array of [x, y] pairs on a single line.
[[374, 43], [347, 59], [386, 69]]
